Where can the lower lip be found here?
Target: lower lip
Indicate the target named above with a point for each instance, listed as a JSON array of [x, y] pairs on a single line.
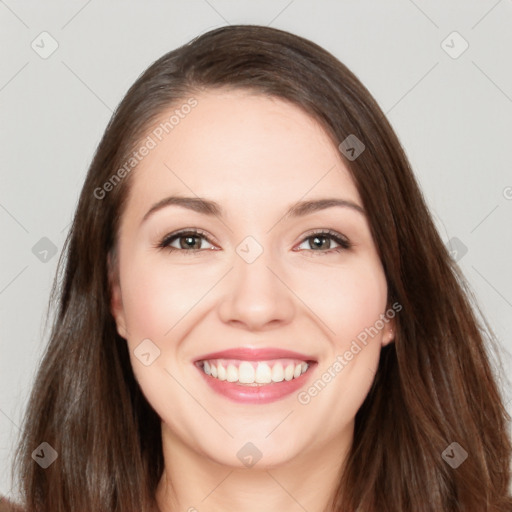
[[261, 394]]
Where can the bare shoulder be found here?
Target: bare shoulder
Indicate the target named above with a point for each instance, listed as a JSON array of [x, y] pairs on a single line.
[[9, 506]]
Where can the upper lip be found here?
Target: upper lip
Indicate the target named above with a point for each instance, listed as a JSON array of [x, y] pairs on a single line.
[[255, 354]]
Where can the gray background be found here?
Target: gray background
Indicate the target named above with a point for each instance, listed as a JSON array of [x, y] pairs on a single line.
[[452, 113]]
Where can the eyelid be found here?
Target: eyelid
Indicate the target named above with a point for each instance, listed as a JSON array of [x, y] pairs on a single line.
[[182, 232], [341, 239], [325, 231], [344, 244]]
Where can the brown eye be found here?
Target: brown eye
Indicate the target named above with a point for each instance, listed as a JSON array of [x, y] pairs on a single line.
[[321, 242], [189, 241]]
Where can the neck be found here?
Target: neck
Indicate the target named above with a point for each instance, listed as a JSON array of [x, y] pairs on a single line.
[[193, 482]]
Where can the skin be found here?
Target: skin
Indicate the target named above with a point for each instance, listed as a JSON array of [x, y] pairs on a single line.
[[254, 155]]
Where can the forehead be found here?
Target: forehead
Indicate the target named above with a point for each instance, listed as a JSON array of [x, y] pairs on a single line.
[[240, 148]]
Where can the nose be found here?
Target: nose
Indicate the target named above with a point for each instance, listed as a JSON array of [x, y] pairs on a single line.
[[256, 295]]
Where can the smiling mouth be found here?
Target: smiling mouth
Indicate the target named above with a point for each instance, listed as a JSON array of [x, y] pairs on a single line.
[[254, 373]]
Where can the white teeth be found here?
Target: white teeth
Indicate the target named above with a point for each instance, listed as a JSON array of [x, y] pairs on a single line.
[[277, 373], [288, 373], [246, 373], [254, 373], [231, 373], [221, 372], [263, 374]]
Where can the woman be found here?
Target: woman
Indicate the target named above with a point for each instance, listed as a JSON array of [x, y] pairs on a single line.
[[252, 374]]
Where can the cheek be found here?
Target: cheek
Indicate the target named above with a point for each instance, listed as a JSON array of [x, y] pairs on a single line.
[[362, 298], [351, 304], [156, 297], [347, 299]]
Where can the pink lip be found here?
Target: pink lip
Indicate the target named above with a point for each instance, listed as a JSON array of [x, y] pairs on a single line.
[[262, 394], [252, 354]]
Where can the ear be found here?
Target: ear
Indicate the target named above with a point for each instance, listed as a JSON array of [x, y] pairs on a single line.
[[116, 300], [388, 332]]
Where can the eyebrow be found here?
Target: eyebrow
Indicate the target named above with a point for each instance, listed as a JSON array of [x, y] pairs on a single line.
[[212, 208]]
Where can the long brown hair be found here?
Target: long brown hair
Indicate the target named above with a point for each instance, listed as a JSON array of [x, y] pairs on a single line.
[[434, 386]]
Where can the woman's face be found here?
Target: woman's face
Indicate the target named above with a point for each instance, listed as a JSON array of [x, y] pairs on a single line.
[[255, 278]]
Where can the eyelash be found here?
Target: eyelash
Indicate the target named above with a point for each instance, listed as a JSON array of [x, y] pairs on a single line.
[[329, 234]]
